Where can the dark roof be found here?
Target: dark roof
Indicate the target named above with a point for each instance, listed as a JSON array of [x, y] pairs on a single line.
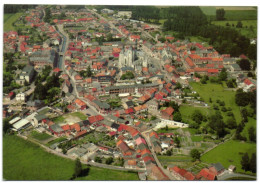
[[86, 122], [130, 103], [56, 128], [40, 117], [115, 125], [218, 166]]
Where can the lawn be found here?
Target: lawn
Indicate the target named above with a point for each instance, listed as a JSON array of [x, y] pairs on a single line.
[[197, 138], [229, 153], [216, 91], [8, 24], [58, 119], [23, 160], [208, 10], [187, 111], [79, 115], [40, 136]]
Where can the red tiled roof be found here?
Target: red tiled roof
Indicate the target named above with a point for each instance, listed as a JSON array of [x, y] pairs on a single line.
[[212, 70], [168, 111], [247, 82], [206, 174], [65, 127], [189, 62], [75, 126], [80, 102]]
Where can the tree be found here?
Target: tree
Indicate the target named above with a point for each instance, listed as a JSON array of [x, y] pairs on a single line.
[[178, 86], [239, 24], [252, 134], [78, 168], [216, 123], [244, 114], [242, 98], [210, 100], [177, 142], [245, 162], [98, 159], [195, 154], [177, 116], [197, 116], [231, 123], [223, 75], [109, 160], [89, 72], [220, 14], [253, 163], [168, 152], [245, 64], [6, 125], [166, 128]]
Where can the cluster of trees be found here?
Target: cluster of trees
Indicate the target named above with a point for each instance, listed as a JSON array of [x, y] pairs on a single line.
[[47, 17], [9, 73], [14, 8], [231, 83], [87, 73], [49, 91], [220, 14], [127, 75], [246, 98], [244, 64], [249, 164], [195, 154]]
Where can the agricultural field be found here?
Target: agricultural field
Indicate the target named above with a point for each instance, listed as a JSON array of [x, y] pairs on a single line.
[[23, 160], [9, 19], [241, 15], [229, 153], [249, 27]]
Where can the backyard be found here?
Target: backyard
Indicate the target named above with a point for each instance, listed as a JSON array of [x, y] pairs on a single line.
[[70, 118]]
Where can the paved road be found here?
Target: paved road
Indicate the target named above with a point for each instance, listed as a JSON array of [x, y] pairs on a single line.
[[146, 136], [228, 175]]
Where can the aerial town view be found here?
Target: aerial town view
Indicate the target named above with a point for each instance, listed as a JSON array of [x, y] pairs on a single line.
[[113, 92]]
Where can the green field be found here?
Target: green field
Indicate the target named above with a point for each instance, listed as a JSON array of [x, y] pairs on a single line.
[[187, 111], [106, 174], [250, 31], [9, 20], [7, 16], [241, 15], [197, 138], [208, 10], [216, 91], [40, 136], [229, 154], [23, 160]]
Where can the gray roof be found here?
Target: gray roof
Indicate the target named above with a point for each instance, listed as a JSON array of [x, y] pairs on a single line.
[[218, 166], [103, 105], [46, 55], [40, 117], [130, 86], [56, 128], [27, 70], [127, 69]]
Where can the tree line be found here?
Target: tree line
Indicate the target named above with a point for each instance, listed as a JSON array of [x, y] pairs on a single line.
[[14, 8]]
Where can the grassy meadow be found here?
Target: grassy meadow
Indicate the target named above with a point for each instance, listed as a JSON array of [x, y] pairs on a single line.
[[9, 19], [229, 153], [23, 160]]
